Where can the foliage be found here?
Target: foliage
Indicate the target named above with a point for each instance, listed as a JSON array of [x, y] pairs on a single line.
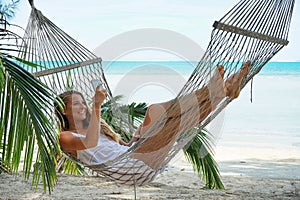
[[129, 116], [26, 105], [7, 10], [68, 166], [199, 153]]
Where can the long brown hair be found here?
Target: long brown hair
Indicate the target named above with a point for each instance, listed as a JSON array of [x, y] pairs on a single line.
[[64, 98]]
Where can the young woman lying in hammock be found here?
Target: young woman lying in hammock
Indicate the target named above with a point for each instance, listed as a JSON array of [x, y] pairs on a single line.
[[94, 143]]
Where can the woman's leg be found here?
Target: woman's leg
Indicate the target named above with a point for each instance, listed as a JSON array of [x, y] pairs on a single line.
[[233, 83], [185, 113], [200, 102]]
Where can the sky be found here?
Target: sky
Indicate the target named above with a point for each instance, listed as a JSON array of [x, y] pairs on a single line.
[[96, 22]]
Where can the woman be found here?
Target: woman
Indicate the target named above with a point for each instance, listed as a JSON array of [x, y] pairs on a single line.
[[90, 139], [80, 127]]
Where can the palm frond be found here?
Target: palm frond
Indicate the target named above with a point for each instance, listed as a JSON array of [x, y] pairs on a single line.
[[2, 75], [67, 166], [26, 106], [132, 116], [135, 112], [199, 153], [7, 10]]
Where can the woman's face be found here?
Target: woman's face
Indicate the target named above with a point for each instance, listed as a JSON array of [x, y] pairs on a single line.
[[76, 108]]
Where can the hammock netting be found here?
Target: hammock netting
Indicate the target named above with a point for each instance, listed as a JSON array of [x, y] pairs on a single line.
[[253, 30]]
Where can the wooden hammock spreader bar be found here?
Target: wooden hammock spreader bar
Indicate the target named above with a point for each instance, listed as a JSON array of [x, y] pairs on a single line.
[[67, 67], [240, 31]]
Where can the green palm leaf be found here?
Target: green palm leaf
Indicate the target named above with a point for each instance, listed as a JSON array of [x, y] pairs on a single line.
[[26, 105], [7, 10], [199, 153], [68, 166]]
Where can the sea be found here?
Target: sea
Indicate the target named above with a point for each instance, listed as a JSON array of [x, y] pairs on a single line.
[[268, 114]]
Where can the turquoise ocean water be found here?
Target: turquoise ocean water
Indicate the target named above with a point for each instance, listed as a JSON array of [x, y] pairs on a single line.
[[185, 68], [272, 118]]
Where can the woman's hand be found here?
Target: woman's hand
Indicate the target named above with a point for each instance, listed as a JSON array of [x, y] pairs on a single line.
[[94, 128], [100, 95]]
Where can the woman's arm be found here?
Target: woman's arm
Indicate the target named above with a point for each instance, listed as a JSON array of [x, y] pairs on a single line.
[[93, 129], [70, 142]]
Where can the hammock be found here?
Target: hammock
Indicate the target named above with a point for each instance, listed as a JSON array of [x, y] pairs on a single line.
[[253, 30]]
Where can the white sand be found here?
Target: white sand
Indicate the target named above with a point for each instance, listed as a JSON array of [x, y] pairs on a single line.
[[244, 178]]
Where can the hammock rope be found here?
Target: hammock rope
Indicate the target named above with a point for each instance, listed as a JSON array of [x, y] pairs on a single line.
[[253, 30]]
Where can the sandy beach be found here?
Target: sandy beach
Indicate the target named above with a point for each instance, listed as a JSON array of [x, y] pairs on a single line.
[[244, 178]]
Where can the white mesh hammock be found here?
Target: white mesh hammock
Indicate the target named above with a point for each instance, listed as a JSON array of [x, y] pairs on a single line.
[[253, 30]]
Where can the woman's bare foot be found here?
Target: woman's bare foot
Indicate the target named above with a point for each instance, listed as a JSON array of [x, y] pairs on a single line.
[[216, 86], [221, 70], [233, 83]]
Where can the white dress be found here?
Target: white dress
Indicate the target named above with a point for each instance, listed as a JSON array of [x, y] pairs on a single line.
[[105, 150], [126, 170]]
